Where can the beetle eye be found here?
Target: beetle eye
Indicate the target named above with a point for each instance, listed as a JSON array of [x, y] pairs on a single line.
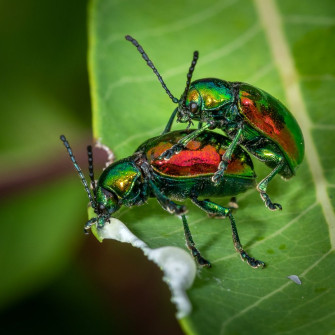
[[106, 192], [193, 107], [109, 194], [101, 207]]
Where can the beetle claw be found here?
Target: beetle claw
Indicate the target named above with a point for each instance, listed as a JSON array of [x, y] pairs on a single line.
[[177, 209], [203, 262], [254, 263], [269, 204], [199, 259], [180, 210], [217, 177], [176, 149], [166, 155], [275, 206]]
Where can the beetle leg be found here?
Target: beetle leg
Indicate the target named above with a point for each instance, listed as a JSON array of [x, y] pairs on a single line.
[[211, 208], [165, 202], [169, 124], [89, 224], [191, 245], [262, 186], [225, 160], [181, 144], [219, 211], [238, 247]]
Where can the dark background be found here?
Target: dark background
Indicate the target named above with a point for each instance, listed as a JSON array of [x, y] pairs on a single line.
[[54, 278]]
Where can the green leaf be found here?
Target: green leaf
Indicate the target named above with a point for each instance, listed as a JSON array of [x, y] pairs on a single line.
[[285, 48]]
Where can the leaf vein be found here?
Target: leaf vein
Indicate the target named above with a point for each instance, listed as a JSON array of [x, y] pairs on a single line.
[[217, 54], [178, 25], [279, 46], [269, 295], [277, 232], [308, 324], [309, 19]]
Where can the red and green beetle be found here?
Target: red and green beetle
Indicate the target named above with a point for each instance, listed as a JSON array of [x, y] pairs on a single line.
[[249, 116], [187, 175]]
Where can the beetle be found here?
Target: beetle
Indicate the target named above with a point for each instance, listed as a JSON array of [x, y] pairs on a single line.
[[249, 116], [187, 175]]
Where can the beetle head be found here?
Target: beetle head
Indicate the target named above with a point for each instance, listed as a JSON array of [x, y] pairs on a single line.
[[189, 106], [107, 202], [104, 202], [184, 115], [116, 185]]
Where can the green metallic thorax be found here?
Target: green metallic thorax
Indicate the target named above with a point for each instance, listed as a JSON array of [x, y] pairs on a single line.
[[120, 179], [212, 95]]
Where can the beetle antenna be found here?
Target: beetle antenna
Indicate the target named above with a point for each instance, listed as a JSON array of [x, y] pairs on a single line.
[[91, 171], [89, 224], [152, 66], [81, 175], [189, 75]]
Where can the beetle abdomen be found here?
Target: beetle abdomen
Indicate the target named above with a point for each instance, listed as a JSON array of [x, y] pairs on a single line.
[[271, 118]]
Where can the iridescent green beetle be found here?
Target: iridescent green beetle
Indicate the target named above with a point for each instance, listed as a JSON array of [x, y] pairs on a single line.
[[249, 116], [187, 175]]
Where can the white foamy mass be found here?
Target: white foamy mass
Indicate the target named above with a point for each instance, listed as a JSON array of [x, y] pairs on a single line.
[[177, 264]]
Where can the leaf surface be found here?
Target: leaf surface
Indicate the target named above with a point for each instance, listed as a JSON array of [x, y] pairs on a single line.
[[282, 47]]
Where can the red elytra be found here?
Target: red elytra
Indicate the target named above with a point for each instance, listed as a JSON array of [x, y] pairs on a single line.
[[194, 160], [269, 116]]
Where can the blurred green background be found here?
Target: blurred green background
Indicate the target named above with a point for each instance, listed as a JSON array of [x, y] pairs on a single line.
[[53, 277]]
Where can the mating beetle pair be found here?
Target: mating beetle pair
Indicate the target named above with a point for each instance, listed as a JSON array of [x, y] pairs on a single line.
[[249, 116], [187, 175], [197, 163]]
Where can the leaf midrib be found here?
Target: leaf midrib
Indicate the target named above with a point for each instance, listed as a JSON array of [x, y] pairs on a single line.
[[271, 20]]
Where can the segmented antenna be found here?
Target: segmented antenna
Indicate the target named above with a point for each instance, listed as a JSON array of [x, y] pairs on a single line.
[[189, 75], [152, 66], [81, 175], [91, 171]]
